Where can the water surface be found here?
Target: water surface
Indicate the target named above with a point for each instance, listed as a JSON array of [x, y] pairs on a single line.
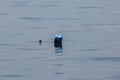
[[91, 39]]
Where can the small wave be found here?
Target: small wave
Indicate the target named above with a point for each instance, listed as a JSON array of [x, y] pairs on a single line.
[[107, 59], [3, 14], [90, 49], [33, 18], [5, 44], [116, 77], [12, 76], [89, 7], [47, 6], [30, 18], [5, 59], [21, 4], [28, 49]]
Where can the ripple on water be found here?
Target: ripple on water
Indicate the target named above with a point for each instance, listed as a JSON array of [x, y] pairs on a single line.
[[12, 76], [29, 49], [2, 14], [49, 5], [67, 59], [81, 79], [21, 4], [18, 33], [5, 59], [116, 77], [30, 18], [33, 58], [89, 7], [7, 44], [106, 59], [90, 49], [33, 18], [60, 18]]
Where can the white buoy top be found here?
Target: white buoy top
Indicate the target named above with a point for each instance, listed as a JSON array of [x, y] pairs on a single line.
[[58, 36]]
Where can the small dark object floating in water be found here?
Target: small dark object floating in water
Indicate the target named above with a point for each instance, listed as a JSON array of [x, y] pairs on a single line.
[[40, 41], [58, 41]]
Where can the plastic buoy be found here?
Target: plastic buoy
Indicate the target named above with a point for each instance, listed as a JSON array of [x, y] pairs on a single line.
[[40, 41], [58, 41]]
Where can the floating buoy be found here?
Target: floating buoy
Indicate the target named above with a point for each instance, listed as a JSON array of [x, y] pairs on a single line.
[[40, 41], [58, 41]]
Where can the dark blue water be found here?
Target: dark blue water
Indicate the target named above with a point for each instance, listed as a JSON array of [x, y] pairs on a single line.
[[91, 39]]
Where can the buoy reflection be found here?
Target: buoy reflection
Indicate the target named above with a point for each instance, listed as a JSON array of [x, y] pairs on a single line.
[[58, 50]]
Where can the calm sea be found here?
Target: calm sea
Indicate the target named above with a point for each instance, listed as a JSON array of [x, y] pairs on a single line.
[[91, 39]]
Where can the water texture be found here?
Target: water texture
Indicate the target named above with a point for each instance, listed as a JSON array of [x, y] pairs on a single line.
[[91, 39]]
